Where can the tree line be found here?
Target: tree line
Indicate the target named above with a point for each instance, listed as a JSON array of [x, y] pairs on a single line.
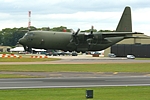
[[10, 36]]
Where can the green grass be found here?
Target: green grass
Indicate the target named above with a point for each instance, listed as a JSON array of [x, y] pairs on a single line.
[[101, 93], [7, 53], [132, 67], [27, 59], [16, 76]]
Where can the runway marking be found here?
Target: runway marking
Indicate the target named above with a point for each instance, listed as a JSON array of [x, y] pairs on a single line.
[[115, 73], [55, 75], [77, 86]]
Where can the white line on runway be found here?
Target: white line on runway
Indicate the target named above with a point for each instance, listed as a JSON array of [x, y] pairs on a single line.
[[78, 86]]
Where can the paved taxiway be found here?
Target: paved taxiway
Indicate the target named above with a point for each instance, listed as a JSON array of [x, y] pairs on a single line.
[[82, 59], [74, 82]]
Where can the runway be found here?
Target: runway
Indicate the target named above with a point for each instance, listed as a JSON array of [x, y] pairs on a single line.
[[70, 82]]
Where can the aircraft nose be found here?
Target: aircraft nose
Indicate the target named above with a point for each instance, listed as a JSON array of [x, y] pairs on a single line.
[[21, 41]]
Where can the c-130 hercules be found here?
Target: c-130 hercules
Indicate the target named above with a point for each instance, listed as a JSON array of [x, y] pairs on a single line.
[[79, 41]]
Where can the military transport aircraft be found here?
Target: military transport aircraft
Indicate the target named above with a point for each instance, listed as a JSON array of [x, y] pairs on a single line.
[[79, 41]]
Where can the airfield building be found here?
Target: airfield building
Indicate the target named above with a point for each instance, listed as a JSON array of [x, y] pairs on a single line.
[[5, 48], [139, 47]]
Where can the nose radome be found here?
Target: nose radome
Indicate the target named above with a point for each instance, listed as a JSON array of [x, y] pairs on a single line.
[[20, 40]]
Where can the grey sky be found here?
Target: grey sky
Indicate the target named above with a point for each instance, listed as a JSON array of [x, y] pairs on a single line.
[[102, 14]]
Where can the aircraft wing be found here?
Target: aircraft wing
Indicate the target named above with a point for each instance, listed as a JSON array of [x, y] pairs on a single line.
[[120, 33], [112, 35], [138, 37]]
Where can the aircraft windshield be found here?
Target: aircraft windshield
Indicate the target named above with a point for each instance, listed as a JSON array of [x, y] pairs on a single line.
[[25, 35], [28, 35]]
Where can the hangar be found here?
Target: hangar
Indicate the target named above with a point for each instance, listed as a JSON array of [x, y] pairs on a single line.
[[139, 47], [5, 48]]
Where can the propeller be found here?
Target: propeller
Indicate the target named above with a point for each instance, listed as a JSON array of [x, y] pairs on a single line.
[[90, 36], [92, 27], [76, 33], [74, 37]]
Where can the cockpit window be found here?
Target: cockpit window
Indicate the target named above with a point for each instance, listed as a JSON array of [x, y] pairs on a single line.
[[30, 34], [25, 35]]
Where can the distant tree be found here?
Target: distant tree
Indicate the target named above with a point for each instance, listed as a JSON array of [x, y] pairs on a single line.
[[45, 29], [7, 37], [32, 28], [60, 29], [16, 36], [1, 38], [89, 30], [10, 37]]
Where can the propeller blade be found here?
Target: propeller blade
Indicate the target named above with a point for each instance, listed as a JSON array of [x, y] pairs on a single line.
[[77, 32], [92, 27], [75, 37]]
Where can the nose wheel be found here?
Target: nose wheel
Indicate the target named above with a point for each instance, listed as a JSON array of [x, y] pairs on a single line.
[[28, 49]]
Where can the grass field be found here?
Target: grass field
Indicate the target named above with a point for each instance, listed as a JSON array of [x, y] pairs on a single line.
[[100, 93], [25, 59], [128, 67], [17, 76]]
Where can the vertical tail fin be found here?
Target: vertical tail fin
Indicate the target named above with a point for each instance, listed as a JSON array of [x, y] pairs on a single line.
[[125, 23]]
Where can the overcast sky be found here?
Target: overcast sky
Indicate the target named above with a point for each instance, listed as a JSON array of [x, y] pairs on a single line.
[[74, 14]]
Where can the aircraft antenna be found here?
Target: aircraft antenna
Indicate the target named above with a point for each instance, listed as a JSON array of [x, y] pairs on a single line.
[[29, 23]]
